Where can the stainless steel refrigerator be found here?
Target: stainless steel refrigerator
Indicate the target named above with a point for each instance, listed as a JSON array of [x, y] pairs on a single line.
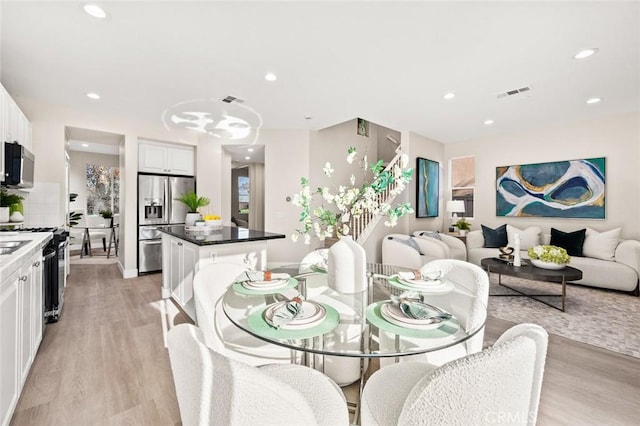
[[157, 206]]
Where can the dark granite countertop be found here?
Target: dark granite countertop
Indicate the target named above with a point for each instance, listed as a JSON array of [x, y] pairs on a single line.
[[227, 235]]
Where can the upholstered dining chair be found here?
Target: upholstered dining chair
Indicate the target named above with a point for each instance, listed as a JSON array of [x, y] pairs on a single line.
[[500, 385], [215, 390], [220, 334], [469, 307]]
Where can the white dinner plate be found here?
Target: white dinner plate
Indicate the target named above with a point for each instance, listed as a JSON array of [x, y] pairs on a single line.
[[420, 283], [312, 314], [391, 312], [265, 285]]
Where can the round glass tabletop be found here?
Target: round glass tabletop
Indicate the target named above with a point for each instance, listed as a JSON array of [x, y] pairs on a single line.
[[359, 325]]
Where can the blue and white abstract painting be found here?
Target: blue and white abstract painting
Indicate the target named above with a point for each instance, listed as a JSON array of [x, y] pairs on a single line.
[[571, 189], [427, 187]]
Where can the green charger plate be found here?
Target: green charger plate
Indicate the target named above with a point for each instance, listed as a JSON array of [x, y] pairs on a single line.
[[260, 326], [240, 289], [447, 329]]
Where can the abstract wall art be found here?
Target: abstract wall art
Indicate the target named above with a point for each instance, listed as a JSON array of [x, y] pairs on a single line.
[[427, 187], [570, 189]]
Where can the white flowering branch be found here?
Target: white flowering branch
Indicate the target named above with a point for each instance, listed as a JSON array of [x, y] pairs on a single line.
[[338, 207]]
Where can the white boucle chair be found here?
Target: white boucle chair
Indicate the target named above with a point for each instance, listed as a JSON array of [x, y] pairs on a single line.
[[468, 304], [215, 390], [209, 286], [500, 385]]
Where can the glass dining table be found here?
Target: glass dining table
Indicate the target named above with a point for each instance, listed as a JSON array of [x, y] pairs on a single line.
[[359, 325]]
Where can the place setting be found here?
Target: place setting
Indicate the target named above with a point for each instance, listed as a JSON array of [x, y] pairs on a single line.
[[409, 315], [424, 282], [293, 317], [262, 282]]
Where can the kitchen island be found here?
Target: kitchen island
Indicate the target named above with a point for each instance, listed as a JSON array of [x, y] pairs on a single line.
[[184, 252]]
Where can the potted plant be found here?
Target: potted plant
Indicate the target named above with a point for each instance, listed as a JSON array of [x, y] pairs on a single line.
[[463, 226], [107, 215], [193, 203], [9, 205], [74, 216]]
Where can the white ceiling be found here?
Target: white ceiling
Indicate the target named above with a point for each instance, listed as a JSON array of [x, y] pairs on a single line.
[[387, 62]]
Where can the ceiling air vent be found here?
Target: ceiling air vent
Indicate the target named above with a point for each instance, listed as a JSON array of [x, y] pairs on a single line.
[[514, 92], [229, 99]]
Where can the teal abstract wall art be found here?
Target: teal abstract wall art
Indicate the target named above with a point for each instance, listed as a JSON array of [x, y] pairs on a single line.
[[570, 189], [427, 187]]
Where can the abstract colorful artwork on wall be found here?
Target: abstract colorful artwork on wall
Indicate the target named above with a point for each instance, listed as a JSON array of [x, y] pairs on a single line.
[[427, 187], [571, 189]]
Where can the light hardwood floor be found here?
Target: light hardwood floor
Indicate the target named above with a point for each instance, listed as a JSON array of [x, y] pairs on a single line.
[[104, 363]]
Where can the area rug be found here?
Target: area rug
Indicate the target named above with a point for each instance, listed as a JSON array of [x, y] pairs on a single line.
[[598, 317]]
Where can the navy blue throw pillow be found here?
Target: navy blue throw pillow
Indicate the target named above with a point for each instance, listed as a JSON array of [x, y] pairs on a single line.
[[570, 241], [495, 238]]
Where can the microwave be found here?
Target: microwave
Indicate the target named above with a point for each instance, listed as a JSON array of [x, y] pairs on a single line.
[[18, 166]]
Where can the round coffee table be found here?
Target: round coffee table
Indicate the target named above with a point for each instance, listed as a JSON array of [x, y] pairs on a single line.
[[530, 272]]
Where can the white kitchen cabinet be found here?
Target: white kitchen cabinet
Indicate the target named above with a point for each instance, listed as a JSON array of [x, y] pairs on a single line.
[[154, 157], [14, 126], [9, 349], [20, 330], [181, 269], [181, 260]]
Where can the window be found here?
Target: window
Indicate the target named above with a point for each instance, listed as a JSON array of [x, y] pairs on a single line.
[[243, 194], [463, 182], [103, 189]]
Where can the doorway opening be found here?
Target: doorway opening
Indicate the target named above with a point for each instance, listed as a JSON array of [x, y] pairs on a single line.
[[93, 194], [246, 181]]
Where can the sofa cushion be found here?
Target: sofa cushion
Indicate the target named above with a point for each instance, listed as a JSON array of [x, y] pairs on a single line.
[[570, 241], [494, 237], [411, 242], [529, 237], [601, 245]]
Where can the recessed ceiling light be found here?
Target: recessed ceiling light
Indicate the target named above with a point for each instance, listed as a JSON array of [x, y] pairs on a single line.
[[586, 53], [247, 158], [593, 101], [488, 122], [95, 11], [250, 149], [308, 117], [449, 95], [270, 77], [85, 145], [93, 95]]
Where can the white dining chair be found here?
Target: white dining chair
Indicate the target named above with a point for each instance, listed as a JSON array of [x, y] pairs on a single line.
[[468, 303], [215, 390], [500, 385], [209, 286]]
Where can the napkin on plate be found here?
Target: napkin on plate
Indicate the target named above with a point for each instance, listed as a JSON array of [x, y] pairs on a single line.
[[288, 312]]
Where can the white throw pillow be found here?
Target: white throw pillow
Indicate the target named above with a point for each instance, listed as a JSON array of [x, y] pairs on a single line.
[[601, 245], [529, 237]]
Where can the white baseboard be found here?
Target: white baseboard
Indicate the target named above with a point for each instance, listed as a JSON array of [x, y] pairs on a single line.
[[127, 273]]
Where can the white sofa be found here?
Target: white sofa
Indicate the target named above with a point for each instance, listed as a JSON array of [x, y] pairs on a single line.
[[402, 250], [622, 273]]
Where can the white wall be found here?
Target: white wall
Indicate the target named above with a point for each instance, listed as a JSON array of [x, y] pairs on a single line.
[[286, 160], [78, 173], [330, 145], [48, 123], [616, 138]]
